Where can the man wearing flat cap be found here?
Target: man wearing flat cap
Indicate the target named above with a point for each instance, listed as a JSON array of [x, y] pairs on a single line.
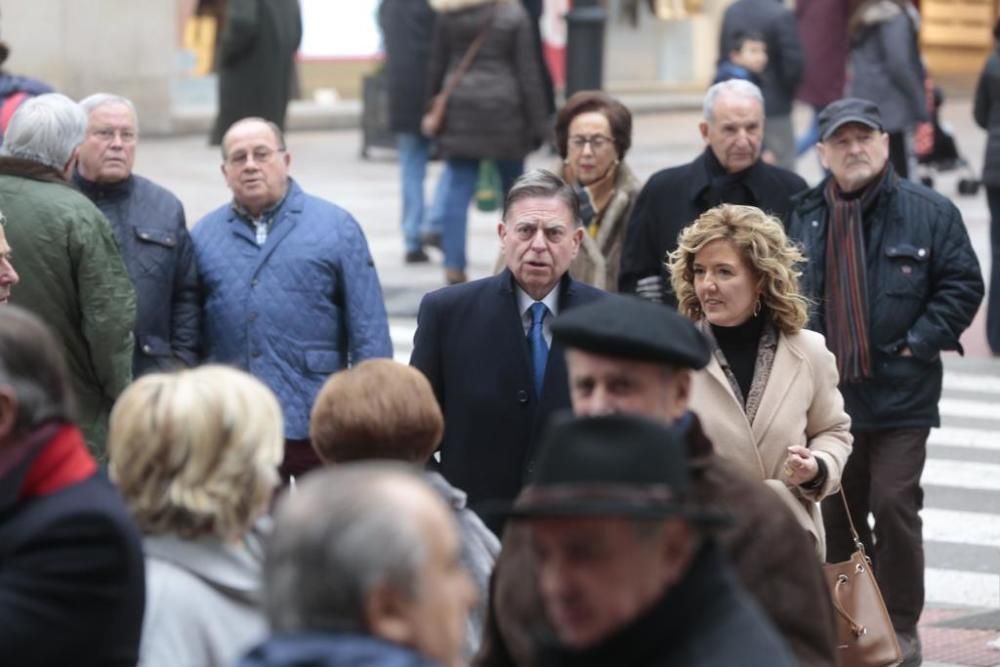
[[626, 568], [896, 282], [628, 356]]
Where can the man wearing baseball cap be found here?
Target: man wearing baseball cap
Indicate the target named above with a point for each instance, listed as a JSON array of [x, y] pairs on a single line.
[[896, 282], [626, 569], [628, 356]]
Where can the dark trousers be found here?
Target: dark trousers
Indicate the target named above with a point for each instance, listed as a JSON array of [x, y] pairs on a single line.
[[993, 305], [300, 458], [882, 477], [898, 154]]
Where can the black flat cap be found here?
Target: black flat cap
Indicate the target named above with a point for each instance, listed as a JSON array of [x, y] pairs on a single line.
[[628, 327], [848, 110], [618, 465]]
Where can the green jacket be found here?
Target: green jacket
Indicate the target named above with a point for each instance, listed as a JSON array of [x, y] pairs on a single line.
[[73, 277]]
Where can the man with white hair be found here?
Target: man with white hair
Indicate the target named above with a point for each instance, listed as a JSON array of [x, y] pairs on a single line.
[[74, 277], [729, 171], [393, 591], [148, 221]]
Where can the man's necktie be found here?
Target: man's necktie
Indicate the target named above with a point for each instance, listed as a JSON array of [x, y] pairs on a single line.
[[539, 348]]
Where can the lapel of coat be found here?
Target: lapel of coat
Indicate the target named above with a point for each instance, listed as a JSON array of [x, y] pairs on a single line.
[[509, 328], [784, 373]]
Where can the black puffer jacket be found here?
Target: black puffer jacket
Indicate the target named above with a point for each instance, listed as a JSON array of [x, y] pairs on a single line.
[[986, 111], [407, 27], [497, 110], [148, 222], [785, 61], [924, 288]]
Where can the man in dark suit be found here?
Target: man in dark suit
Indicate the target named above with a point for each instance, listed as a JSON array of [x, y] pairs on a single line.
[[484, 345], [72, 586]]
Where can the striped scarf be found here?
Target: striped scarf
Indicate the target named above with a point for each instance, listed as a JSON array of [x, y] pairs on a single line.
[[846, 294]]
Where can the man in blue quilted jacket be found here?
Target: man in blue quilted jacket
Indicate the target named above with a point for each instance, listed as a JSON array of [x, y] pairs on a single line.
[[289, 289]]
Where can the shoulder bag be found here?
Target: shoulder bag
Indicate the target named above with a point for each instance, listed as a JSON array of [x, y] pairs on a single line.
[[865, 636]]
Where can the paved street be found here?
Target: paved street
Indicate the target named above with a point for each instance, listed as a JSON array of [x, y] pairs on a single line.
[[962, 478]]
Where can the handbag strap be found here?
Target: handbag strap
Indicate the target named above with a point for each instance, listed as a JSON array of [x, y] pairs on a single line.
[[858, 545], [470, 54]]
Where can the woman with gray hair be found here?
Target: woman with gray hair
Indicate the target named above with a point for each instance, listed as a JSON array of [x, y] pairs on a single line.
[[195, 455]]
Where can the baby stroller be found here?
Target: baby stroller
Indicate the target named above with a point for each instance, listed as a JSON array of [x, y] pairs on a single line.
[[936, 149]]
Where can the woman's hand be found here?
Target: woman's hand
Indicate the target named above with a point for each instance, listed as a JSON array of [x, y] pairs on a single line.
[[800, 466]]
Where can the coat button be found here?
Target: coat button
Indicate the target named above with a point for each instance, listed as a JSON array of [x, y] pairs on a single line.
[[253, 283], [522, 396], [146, 348], [921, 252], [255, 353], [252, 316]]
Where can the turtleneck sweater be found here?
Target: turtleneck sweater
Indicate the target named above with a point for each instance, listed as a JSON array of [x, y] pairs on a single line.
[[739, 345]]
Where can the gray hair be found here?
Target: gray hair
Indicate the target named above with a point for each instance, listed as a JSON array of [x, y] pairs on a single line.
[[98, 100], [343, 532], [543, 183], [32, 366], [45, 129], [732, 87]]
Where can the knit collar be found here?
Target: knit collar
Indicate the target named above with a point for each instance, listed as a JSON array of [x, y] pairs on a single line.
[[95, 191], [15, 166]]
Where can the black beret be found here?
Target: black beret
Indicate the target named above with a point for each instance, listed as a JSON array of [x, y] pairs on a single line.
[[631, 328]]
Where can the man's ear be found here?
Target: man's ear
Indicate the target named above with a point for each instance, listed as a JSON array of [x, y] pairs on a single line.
[[8, 413], [680, 389], [676, 548], [703, 128], [387, 615], [821, 152], [70, 165]]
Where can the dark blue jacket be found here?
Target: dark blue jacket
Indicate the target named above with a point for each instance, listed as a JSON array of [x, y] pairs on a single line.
[[924, 288], [331, 650], [152, 234], [291, 312]]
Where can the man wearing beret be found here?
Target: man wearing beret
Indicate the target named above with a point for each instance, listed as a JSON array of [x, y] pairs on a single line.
[[896, 282], [485, 345], [625, 355], [626, 567]]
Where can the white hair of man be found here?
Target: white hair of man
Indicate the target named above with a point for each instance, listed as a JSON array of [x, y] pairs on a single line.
[[45, 129], [733, 87], [342, 533], [98, 100]]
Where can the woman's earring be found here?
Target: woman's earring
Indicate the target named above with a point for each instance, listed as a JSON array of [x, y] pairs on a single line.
[[756, 308]]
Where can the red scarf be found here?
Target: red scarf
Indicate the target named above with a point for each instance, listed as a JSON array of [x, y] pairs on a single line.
[[63, 461]]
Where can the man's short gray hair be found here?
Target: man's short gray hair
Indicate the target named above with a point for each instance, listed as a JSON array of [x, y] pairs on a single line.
[[45, 129], [543, 183], [98, 100], [733, 87], [32, 367], [342, 533]]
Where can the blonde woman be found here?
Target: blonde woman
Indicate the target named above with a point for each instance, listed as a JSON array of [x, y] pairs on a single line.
[[768, 398], [195, 455]]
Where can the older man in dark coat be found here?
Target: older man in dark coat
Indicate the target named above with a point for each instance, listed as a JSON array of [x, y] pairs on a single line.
[[254, 59], [729, 171]]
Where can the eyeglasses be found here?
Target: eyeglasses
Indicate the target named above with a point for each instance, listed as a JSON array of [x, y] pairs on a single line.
[[597, 142], [109, 133], [261, 155], [525, 231]]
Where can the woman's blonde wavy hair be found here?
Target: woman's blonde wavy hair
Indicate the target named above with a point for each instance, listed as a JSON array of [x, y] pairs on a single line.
[[196, 452], [761, 240]]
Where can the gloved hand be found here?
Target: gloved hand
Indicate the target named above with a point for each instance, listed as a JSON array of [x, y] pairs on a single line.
[[651, 288]]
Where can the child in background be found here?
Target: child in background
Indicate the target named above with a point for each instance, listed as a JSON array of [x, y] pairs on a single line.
[[746, 61]]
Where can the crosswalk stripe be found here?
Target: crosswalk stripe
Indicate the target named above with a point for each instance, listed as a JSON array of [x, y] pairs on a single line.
[[976, 438], [961, 407], [961, 527], [971, 382], [962, 474], [973, 589]]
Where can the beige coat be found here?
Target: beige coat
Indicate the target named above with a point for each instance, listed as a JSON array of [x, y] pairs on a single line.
[[801, 405]]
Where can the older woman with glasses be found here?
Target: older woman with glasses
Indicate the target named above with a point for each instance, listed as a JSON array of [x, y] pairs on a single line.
[[593, 134], [768, 398]]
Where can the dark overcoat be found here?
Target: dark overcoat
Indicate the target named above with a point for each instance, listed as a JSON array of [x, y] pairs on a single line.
[[407, 28], [986, 111], [823, 32], [254, 58]]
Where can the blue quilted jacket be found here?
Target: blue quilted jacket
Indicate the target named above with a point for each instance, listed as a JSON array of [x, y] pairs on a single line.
[[291, 312]]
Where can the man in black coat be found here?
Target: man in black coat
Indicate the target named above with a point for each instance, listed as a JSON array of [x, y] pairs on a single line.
[[72, 586], [785, 65], [729, 171], [896, 281], [485, 345], [148, 222]]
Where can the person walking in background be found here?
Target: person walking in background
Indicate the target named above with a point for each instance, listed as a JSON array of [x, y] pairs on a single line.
[[897, 282], [254, 60], [747, 59], [497, 111], [887, 69], [407, 28], [593, 135], [781, 77], [150, 227], [15, 89], [73, 274], [822, 26], [768, 397], [195, 455], [986, 111]]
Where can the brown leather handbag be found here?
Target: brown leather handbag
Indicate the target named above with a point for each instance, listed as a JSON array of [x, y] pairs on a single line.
[[865, 634], [432, 121]]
